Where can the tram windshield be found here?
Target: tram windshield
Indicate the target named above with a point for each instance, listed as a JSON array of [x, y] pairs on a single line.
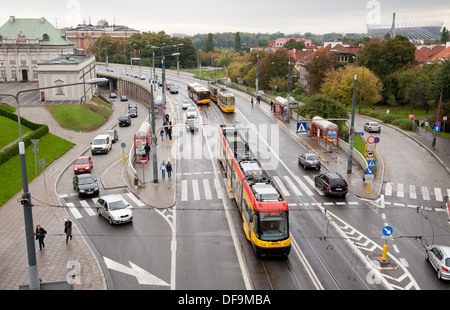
[[273, 226]]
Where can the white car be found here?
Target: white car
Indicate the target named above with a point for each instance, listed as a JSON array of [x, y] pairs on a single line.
[[114, 209], [372, 127], [191, 112], [186, 104], [101, 144]]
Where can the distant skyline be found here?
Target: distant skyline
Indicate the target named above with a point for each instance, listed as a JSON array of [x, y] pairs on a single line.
[[254, 16]]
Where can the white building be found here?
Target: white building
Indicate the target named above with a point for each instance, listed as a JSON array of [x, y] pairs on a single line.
[[26, 42]]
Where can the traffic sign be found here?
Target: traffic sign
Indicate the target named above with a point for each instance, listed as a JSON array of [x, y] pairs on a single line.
[[369, 170], [371, 163], [387, 230], [301, 127], [371, 139], [143, 160], [438, 123], [370, 147], [370, 154], [358, 133], [377, 140], [437, 128]]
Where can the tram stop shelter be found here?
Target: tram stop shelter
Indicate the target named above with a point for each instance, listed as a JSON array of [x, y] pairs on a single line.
[[323, 130], [280, 107]]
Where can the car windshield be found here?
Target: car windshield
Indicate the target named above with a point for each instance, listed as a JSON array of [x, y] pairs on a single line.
[[123, 118], [374, 124], [273, 226], [82, 161], [99, 141], [116, 205], [312, 157], [85, 180]]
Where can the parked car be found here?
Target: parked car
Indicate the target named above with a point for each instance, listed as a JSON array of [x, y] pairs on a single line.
[[101, 144], [114, 209], [123, 98], [112, 95], [83, 164], [173, 90], [331, 183], [132, 112], [192, 124], [309, 160], [372, 127], [85, 184], [124, 120], [113, 134], [169, 85], [191, 112], [439, 257], [186, 104], [142, 77]]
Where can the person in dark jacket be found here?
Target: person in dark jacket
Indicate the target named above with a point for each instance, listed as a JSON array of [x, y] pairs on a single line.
[[68, 230], [40, 235]]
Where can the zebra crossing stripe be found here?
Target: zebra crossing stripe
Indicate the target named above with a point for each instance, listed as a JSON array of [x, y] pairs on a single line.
[[86, 207], [217, 186], [208, 195], [412, 192], [195, 189], [135, 200], [303, 186], [438, 194], [292, 186], [425, 194], [280, 184], [400, 192], [184, 190], [388, 189], [76, 214]]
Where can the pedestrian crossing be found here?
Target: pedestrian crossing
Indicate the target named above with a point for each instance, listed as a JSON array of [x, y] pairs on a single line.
[[87, 206], [420, 192]]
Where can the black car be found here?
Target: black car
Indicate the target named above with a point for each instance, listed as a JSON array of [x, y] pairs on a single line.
[[173, 90], [331, 183], [132, 112], [124, 120], [85, 184]]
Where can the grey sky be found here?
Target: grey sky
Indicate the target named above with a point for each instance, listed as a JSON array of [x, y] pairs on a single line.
[[202, 16]]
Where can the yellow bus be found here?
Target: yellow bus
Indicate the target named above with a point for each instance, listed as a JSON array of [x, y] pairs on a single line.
[[226, 100]]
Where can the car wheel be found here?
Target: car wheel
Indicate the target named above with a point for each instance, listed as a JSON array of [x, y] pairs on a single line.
[[304, 166], [98, 211], [110, 221], [439, 275], [427, 256]]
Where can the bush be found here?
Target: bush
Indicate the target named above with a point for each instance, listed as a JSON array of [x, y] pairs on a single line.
[[404, 124]]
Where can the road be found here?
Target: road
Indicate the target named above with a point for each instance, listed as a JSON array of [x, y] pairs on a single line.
[[333, 238]]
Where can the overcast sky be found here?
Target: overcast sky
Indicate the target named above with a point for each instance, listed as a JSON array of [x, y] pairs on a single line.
[[204, 16]]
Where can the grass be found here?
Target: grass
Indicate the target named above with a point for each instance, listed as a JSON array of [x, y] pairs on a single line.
[[51, 147], [80, 117], [10, 131]]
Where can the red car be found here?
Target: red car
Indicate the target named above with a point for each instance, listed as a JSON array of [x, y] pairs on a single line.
[[83, 164]]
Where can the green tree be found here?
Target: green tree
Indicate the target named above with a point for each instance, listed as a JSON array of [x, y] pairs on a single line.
[[324, 107], [209, 43], [318, 68], [293, 44], [444, 35], [237, 42]]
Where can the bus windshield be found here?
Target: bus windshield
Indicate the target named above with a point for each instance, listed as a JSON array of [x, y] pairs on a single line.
[[273, 226], [203, 95]]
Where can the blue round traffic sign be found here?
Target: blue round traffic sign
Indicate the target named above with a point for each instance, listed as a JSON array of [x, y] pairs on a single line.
[[387, 230]]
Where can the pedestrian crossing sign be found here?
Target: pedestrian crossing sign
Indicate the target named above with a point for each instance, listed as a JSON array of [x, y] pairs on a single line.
[[371, 163], [301, 127]]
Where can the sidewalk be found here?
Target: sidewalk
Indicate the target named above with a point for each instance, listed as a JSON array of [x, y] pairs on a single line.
[[53, 260]]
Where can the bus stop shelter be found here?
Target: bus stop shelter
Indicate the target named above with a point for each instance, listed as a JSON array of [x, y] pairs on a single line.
[[323, 130]]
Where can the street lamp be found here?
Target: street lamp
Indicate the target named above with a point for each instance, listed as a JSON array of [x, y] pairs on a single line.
[[26, 196], [352, 121]]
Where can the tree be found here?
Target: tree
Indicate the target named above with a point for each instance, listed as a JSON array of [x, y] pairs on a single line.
[[237, 42], [318, 68], [444, 36], [209, 43], [324, 107], [339, 84], [293, 44]]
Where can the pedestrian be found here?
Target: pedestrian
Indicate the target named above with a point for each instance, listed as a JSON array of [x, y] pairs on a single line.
[[147, 150], [163, 170], [68, 230], [271, 106], [169, 131], [252, 102], [40, 235], [169, 169], [162, 134]]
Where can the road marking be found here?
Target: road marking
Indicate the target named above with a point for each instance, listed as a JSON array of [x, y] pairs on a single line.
[[292, 186], [425, 194], [195, 190], [412, 192], [86, 207], [303, 186], [388, 189], [135, 200], [184, 190], [400, 192], [438, 194], [208, 195], [280, 184], [74, 210]]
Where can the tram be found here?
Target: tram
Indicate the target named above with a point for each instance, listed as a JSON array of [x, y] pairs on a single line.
[[226, 100], [198, 93], [213, 87], [262, 206]]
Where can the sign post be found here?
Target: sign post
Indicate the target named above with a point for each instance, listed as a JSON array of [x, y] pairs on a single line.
[[143, 162]]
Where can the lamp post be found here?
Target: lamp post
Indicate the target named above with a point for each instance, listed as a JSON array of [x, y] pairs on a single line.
[[351, 138], [433, 144], [33, 273]]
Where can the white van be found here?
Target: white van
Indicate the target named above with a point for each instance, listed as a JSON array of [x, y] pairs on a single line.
[[101, 144]]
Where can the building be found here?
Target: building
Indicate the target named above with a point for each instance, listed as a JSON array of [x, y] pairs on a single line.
[[84, 35], [24, 43], [68, 69], [279, 43]]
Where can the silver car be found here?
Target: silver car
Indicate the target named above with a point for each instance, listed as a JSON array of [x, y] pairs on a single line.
[[439, 257], [186, 104], [372, 127], [114, 209], [191, 112], [309, 160]]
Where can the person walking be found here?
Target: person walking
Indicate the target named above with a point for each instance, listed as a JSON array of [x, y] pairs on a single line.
[[169, 169], [162, 134], [252, 102], [40, 235], [68, 230], [163, 170], [147, 150]]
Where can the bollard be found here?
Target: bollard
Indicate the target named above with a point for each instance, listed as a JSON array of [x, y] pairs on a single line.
[[123, 158], [384, 256], [368, 188]]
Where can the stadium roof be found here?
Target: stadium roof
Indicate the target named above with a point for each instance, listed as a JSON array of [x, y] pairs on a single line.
[[415, 31]]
